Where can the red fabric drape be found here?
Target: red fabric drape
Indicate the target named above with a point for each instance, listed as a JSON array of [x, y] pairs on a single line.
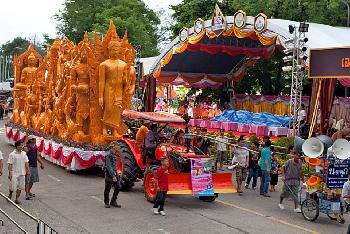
[[231, 50], [345, 82], [150, 94], [326, 101]]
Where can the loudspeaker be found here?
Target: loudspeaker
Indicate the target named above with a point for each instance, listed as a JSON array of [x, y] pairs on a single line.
[[298, 143], [341, 149], [327, 142], [313, 147]]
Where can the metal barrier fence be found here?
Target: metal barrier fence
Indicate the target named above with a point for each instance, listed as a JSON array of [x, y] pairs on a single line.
[[42, 227]]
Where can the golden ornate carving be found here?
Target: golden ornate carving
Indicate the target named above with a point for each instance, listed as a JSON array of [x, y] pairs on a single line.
[[76, 92]]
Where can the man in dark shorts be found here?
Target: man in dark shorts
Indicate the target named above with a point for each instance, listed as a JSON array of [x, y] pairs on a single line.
[[32, 154], [292, 174]]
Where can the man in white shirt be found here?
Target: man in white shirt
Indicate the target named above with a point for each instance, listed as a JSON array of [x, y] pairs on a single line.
[[241, 156], [302, 114], [190, 111], [221, 147], [18, 168], [1, 164]]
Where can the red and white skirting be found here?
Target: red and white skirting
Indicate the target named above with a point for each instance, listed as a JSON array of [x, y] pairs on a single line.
[[69, 157]]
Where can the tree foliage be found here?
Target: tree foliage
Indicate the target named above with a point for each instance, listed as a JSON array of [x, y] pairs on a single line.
[[133, 16], [266, 75], [17, 46]]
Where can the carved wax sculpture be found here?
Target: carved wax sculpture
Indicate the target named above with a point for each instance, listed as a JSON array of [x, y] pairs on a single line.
[[112, 73], [23, 87], [131, 78], [80, 75], [79, 91]]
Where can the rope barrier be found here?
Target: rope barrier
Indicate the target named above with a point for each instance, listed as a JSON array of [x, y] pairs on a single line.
[[235, 145]]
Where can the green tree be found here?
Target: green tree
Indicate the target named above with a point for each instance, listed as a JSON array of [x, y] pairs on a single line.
[[132, 16], [266, 75], [15, 47], [47, 41]]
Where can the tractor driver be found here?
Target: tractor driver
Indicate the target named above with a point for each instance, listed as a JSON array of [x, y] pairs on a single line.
[[151, 140], [141, 134]]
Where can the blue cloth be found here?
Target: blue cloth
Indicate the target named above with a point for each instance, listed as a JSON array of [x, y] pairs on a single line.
[[265, 154], [265, 180], [249, 118]]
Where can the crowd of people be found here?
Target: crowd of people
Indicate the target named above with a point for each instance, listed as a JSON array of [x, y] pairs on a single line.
[[22, 169], [199, 110], [254, 160]]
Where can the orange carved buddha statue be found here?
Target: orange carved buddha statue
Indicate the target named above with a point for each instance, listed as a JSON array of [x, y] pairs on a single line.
[[112, 76], [22, 88], [81, 88], [131, 78]]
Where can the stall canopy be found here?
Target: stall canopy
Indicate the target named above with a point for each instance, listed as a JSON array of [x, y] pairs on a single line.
[[203, 57]]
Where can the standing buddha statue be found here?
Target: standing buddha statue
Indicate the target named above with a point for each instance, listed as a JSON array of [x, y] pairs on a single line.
[[112, 76]]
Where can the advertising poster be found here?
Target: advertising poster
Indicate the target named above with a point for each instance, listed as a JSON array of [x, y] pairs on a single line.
[[202, 180]]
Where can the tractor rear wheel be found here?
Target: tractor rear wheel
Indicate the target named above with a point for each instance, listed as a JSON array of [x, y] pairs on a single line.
[[150, 185], [127, 167]]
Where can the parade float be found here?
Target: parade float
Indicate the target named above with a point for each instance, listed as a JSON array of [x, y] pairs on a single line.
[[72, 99]]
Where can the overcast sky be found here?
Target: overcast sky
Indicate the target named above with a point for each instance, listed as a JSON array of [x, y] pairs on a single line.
[[27, 18]]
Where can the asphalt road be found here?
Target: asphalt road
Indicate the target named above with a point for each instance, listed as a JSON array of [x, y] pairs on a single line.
[[73, 203]]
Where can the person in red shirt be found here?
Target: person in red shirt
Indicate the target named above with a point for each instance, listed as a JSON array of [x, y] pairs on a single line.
[[163, 186]]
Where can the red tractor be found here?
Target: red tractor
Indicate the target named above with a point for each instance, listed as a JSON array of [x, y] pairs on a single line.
[[131, 167]]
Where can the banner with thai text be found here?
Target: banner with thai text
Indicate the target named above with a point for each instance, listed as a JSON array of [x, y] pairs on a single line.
[[202, 179]]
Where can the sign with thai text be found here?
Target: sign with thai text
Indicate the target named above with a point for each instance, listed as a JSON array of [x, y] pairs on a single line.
[[329, 63], [202, 179], [337, 174]]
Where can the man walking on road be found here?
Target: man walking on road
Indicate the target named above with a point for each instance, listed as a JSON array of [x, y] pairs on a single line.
[[292, 173], [111, 176], [18, 168], [32, 154], [221, 150], [265, 164], [241, 156]]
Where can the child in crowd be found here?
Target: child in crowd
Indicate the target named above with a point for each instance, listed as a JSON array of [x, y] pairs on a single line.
[[274, 172], [162, 184]]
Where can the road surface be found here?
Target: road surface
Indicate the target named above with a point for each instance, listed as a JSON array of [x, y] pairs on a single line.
[[73, 203]]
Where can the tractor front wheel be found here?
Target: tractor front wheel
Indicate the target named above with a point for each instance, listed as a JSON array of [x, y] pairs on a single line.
[[150, 185], [127, 167]]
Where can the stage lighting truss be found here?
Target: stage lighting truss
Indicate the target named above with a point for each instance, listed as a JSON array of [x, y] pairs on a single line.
[[294, 65]]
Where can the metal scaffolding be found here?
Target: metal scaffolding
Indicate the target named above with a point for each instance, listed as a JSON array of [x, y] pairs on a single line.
[[296, 55]]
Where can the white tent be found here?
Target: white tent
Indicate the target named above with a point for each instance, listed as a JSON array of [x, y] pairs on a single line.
[[147, 64], [319, 35]]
